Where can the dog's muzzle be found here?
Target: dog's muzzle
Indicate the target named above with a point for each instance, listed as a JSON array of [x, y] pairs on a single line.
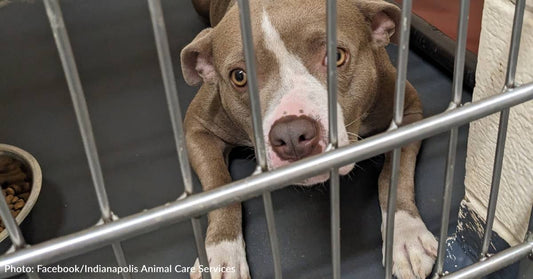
[[295, 137]]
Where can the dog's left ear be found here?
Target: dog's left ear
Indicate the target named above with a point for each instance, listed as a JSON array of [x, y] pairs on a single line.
[[383, 18], [197, 59]]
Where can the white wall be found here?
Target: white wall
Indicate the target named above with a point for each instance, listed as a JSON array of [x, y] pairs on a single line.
[[516, 192]]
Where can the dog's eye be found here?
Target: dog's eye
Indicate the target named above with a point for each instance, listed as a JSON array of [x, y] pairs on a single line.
[[238, 77], [342, 57]]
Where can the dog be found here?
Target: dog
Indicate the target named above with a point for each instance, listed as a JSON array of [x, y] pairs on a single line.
[[290, 47]]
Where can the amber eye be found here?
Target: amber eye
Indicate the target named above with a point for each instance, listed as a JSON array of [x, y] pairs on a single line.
[[238, 77], [342, 57]]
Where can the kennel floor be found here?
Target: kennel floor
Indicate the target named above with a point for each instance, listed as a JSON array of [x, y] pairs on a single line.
[[116, 55]]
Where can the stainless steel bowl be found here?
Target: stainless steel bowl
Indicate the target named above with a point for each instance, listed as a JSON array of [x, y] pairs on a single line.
[[34, 173]]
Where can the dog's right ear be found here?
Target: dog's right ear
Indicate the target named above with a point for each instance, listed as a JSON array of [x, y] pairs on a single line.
[[197, 60], [383, 18]]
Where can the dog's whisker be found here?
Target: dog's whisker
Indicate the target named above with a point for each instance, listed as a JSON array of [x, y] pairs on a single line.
[[354, 135], [355, 120]]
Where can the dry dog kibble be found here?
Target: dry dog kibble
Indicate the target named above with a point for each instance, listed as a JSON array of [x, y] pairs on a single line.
[[10, 191], [17, 188], [5, 163], [25, 196], [15, 184], [19, 204], [13, 176]]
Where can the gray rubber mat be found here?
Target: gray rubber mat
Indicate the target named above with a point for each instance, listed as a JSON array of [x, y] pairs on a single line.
[[117, 59]]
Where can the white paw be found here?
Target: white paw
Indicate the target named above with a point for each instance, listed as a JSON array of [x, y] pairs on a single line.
[[227, 260], [414, 249]]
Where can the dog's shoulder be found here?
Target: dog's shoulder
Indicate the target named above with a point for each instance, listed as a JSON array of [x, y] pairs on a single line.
[[206, 114]]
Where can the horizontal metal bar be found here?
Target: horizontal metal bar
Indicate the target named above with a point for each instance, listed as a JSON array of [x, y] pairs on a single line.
[[494, 263], [93, 238]]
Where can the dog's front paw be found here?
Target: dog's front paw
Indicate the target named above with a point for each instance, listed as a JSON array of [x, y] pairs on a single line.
[[414, 249], [227, 259]]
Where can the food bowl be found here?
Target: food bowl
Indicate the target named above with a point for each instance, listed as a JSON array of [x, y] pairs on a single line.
[[32, 169]]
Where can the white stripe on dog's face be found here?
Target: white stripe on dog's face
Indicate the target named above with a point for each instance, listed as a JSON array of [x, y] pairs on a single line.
[[297, 93]]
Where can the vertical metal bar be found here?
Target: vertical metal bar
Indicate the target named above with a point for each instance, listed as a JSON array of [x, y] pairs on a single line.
[[64, 48], [200, 245], [11, 226], [460, 52], [14, 231], [526, 265], [171, 92], [331, 10], [80, 106], [391, 210], [515, 43], [255, 105], [502, 127], [403, 51], [332, 70], [274, 245], [399, 94], [335, 223], [530, 226], [458, 75]]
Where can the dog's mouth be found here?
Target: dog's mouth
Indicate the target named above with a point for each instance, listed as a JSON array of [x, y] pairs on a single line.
[[325, 176], [297, 128], [276, 162]]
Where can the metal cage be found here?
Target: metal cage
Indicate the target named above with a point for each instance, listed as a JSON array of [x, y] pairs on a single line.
[[262, 182]]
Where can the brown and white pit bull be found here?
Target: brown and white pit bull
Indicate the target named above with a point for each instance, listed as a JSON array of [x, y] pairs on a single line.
[[290, 48]]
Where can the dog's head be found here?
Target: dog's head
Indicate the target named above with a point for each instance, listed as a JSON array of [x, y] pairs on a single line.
[[290, 49]]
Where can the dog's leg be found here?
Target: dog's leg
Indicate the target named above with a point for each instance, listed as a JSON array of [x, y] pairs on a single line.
[[415, 248], [224, 241]]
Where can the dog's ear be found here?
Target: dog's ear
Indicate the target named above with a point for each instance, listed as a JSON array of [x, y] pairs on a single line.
[[383, 18], [197, 60]]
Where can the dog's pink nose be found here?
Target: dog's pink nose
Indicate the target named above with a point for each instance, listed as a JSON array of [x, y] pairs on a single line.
[[295, 137]]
